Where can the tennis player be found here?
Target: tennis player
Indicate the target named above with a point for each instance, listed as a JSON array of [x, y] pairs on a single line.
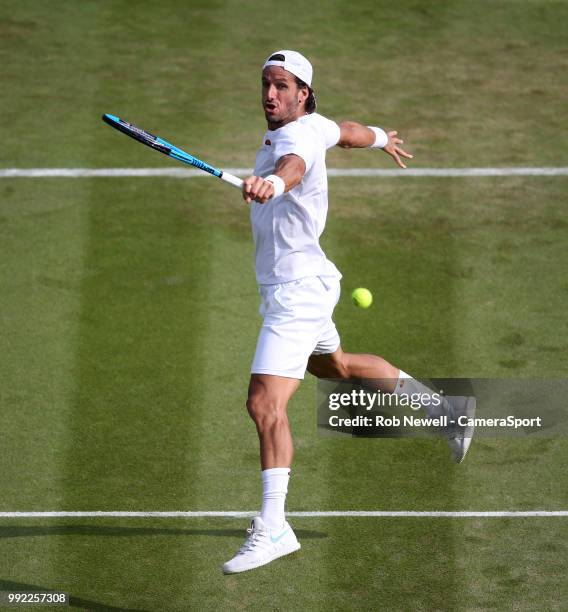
[[299, 286]]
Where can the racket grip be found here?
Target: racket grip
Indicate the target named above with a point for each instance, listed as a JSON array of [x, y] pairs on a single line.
[[232, 180]]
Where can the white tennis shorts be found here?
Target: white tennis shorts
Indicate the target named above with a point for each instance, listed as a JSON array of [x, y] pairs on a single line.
[[297, 323]]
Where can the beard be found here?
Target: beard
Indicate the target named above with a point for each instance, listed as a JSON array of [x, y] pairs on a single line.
[[282, 116]]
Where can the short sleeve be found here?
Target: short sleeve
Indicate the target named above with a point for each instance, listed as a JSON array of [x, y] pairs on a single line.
[[298, 142], [329, 130]]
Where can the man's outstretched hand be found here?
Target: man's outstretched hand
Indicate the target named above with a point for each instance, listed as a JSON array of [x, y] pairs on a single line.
[[394, 150]]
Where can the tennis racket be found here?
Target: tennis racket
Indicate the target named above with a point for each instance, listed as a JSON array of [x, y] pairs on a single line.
[[159, 144]]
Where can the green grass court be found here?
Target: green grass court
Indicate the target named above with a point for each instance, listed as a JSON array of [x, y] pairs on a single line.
[[128, 306]]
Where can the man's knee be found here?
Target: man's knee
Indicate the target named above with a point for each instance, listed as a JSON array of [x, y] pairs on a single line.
[[340, 367], [264, 410], [333, 365]]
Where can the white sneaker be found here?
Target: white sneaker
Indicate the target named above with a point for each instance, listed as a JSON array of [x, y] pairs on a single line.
[[459, 436], [262, 546]]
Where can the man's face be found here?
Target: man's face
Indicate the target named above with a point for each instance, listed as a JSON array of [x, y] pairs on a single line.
[[281, 98]]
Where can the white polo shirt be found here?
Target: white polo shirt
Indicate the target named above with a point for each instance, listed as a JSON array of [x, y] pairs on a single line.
[[287, 229]]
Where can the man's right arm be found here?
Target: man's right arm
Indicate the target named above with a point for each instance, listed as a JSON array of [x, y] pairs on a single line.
[[290, 169], [356, 136]]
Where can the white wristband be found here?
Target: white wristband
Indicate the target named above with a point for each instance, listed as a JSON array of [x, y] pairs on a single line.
[[278, 183], [381, 138]]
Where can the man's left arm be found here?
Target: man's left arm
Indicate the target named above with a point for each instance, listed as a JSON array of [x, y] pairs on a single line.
[[288, 173], [354, 135]]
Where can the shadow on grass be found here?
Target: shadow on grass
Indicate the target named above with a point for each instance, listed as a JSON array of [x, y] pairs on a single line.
[[24, 531], [77, 602]]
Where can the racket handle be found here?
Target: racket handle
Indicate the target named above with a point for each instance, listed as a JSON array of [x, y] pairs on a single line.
[[232, 180]]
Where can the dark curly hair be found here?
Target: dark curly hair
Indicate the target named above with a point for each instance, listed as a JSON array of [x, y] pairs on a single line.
[[311, 103]]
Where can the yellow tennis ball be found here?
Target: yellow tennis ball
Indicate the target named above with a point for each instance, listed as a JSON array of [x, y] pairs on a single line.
[[362, 297]]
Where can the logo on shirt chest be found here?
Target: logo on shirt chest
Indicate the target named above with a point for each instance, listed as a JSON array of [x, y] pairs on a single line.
[[267, 142]]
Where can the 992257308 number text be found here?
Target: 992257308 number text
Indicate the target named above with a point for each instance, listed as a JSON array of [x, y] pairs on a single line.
[[27, 598]]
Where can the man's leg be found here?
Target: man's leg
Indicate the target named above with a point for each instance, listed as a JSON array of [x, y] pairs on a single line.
[[267, 401], [355, 366], [270, 537], [382, 375]]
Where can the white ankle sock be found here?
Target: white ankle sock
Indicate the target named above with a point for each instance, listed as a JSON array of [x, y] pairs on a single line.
[[406, 385], [274, 489]]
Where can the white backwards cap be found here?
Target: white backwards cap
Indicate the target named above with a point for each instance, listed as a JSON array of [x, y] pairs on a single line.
[[293, 62]]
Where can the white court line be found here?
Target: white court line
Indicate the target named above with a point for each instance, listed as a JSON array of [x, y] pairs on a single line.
[[188, 173], [251, 513]]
